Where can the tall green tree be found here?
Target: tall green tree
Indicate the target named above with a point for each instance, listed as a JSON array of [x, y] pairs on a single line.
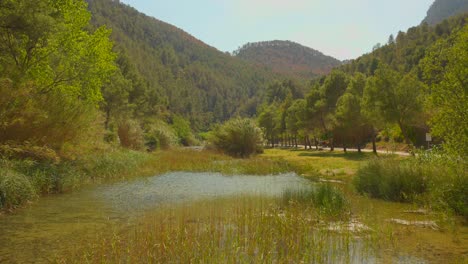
[[446, 70], [390, 98], [55, 66]]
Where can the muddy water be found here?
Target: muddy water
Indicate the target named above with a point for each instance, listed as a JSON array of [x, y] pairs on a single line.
[[55, 223]]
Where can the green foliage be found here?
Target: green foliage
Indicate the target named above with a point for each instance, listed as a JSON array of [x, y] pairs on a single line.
[[52, 69], [183, 131], [390, 98], [238, 137], [160, 135], [446, 69], [269, 121], [326, 198], [15, 189], [392, 180]]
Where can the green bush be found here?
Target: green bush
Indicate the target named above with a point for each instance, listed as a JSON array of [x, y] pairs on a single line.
[[130, 135], [183, 131], [160, 136], [392, 180], [15, 189], [239, 137], [326, 198]]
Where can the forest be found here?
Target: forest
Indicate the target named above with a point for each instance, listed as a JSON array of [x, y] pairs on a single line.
[[118, 133]]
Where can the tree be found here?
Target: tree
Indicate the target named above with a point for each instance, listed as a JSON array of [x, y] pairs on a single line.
[[351, 122], [269, 120], [446, 70], [322, 102], [46, 42], [48, 55], [390, 98], [295, 117]]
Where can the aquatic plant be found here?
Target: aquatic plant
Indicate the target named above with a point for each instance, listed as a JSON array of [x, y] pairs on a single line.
[[324, 197]]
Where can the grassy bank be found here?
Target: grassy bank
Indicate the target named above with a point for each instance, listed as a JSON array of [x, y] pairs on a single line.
[[25, 180]]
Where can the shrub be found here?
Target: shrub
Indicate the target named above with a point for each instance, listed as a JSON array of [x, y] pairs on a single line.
[[160, 135], [326, 198], [130, 135], [183, 131], [15, 188], [239, 137], [46, 119], [392, 180]]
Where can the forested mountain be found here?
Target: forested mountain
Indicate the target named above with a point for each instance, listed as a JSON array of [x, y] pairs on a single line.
[[190, 77], [288, 58], [443, 9]]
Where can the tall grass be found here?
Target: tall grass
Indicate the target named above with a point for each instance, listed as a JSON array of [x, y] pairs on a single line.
[[429, 179], [239, 230], [392, 179], [325, 198]]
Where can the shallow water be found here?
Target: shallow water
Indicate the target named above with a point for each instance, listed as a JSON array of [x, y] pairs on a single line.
[[39, 232]]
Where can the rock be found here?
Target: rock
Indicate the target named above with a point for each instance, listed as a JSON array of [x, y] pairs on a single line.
[[353, 226], [425, 224]]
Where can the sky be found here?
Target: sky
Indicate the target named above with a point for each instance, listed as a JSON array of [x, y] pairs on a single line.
[[344, 29]]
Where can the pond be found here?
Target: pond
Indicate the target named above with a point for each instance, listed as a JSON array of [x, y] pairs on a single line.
[[39, 232]]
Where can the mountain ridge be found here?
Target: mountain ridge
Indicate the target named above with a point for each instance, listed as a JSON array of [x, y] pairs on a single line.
[[443, 9], [288, 57]]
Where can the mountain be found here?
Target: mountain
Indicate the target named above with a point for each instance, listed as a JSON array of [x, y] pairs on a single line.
[[197, 81], [443, 9], [288, 57]]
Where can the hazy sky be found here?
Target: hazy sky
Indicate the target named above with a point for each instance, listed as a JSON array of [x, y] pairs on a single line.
[[344, 29]]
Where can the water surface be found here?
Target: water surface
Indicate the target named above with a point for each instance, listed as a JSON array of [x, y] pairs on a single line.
[[35, 234]]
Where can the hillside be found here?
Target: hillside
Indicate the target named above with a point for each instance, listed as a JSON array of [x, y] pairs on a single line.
[[287, 57], [443, 9], [196, 80]]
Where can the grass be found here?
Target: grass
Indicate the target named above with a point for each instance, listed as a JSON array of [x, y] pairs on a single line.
[[392, 180], [324, 197], [312, 163], [230, 230]]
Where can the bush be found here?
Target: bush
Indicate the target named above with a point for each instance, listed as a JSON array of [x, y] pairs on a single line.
[[130, 135], [326, 198], [238, 137], [45, 119], [392, 180], [183, 131], [160, 135], [15, 189]]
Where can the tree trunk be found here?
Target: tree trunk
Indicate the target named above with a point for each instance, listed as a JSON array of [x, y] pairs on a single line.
[[316, 143], [332, 144], [344, 148], [374, 147], [359, 148], [106, 123]]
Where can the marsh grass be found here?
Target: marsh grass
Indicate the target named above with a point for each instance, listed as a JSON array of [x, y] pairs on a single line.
[[324, 197], [392, 180], [227, 230]]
